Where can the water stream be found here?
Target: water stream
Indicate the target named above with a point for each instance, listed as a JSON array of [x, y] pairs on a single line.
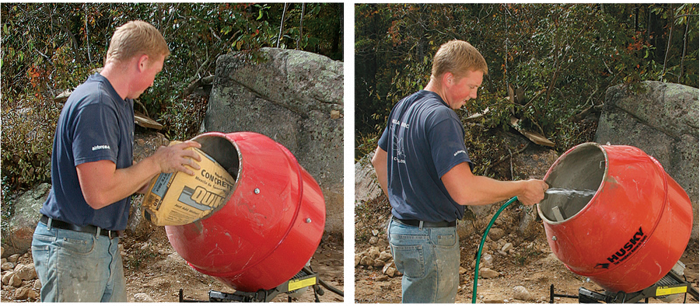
[[571, 192]]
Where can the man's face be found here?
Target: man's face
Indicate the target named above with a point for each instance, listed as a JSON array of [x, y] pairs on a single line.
[[147, 75], [459, 91]]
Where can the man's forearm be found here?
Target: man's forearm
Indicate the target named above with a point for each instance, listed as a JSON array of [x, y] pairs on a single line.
[[102, 184]]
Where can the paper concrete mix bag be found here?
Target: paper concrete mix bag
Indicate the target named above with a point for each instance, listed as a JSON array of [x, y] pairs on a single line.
[[179, 198]]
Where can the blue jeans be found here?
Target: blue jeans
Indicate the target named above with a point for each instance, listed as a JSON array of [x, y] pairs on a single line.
[[429, 261], [77, 267]]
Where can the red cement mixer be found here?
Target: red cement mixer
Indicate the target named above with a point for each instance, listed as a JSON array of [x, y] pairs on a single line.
[[630, 230], [270, 225]]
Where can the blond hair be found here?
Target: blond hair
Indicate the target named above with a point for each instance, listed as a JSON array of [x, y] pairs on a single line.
[[136, 38], [457, 57]]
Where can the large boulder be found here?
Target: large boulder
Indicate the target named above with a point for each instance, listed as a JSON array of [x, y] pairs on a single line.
[[662, 120], [293, 97], [18, 238], [366, 185]]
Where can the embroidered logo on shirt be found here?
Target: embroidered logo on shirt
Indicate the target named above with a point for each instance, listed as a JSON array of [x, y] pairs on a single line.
[[100, 147], [460, 151]]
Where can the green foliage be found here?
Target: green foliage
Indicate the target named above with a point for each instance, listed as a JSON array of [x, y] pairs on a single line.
[[48, 48], [562, 57]]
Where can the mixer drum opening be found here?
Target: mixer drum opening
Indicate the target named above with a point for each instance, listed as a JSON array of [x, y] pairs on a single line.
[[223, 151], [582, 169]]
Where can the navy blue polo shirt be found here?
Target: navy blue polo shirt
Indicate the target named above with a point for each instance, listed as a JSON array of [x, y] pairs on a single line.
[[423, 139], [95, 124]]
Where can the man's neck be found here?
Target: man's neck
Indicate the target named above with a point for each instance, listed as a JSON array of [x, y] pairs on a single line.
[[435, 87], [118, 77]]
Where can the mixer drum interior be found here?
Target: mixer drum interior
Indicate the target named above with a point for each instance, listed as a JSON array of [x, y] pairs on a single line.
[[582, 169], [223, 151]]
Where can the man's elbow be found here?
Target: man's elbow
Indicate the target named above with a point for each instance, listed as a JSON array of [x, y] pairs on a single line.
[[378, 161], [465, 199], [461, 200], [95, 200]]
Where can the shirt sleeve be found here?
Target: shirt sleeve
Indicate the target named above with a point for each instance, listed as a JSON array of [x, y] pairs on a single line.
[[95, 134], [447, 145], [383, 140]]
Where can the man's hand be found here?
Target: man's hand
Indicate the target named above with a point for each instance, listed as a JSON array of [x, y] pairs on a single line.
[[176, 157], [533, 192]]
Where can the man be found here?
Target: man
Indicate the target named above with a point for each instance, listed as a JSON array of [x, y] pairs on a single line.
[[423, 167], [75, 245]]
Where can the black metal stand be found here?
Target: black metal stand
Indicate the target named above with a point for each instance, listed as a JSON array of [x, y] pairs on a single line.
[[669, 285], [305, 278]]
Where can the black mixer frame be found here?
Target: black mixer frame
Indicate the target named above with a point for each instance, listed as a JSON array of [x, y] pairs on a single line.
[[304, 279], [673, 285]]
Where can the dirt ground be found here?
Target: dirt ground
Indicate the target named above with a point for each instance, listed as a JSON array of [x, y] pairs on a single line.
[[155, 273], [531, 265], [154, 268]]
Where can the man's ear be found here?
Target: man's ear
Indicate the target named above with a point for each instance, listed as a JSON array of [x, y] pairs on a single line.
[[142, 63], [447, 78]]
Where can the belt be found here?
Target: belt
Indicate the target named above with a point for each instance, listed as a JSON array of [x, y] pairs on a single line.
[[83, 229], [422, 224]]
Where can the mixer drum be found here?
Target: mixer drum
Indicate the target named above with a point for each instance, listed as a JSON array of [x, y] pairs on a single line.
[[269, 227], [631, 232]]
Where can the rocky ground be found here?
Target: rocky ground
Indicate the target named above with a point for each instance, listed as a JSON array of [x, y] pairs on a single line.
[[156, 273], [517, 269]]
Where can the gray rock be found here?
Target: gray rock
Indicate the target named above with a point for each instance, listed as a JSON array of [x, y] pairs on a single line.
[[25, 272], [8, 266], [366, 261], [385, 256], [373, 252], [496, 233], [486, 261], [143, 298], [6, 277], [18, 238], [488, 273], [289, 96], [521, 293], [21, 293], [506, 247], [661, 120], [373, 240], [382, 278], [366, 186], [32, 295], [15, 281], [389, 269]]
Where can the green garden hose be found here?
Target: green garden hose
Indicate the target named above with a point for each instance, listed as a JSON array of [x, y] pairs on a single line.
[[481, 245]]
